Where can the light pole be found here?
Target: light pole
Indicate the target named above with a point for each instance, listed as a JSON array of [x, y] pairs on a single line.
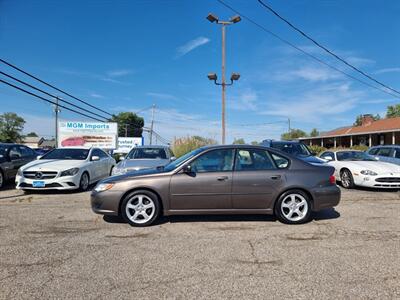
[[212, 76]]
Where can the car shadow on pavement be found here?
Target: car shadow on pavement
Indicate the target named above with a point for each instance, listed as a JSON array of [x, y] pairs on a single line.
[[325, 214]]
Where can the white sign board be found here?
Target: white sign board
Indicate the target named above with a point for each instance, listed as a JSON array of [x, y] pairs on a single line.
[[125, 144], [87, 134]]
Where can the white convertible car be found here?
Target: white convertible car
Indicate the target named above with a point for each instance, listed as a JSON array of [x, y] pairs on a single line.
[[65, 169], [357, 168]]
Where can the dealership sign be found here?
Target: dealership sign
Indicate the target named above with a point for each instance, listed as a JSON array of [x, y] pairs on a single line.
[[87, 134], [125, 144]]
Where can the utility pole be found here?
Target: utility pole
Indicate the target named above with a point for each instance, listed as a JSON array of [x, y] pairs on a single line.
[[152, 124], [289, 125], [213, 76], [56, 111]]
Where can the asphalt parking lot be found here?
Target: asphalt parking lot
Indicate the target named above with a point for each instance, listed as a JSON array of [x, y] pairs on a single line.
[[53, 246]]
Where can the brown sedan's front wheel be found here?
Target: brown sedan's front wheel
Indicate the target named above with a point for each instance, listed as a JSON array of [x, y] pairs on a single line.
[[293, 207], [140, 208]]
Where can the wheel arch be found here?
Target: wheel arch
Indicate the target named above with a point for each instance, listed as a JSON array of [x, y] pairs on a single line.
[[141, 189]]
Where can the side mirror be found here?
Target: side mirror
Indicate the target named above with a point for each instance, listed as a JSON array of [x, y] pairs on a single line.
[[328, 158], [122, 158], [172, 158], [95, 158], [187, 169], [376, 158], [39, 157]]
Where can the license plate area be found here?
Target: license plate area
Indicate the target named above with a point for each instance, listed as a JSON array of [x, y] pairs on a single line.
[[38, 184]]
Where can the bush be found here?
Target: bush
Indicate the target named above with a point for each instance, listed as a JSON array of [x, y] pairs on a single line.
[[360, 147], [181, 146], [317, 149]]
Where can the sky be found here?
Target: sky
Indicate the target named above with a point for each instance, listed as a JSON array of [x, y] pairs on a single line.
[[125, 55]]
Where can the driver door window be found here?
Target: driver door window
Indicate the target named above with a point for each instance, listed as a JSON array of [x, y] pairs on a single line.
[[214, 161]]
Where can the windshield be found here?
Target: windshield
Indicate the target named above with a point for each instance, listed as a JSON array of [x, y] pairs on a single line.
[[73, 154], [292, 148], [354, 155], [147, 153], [178, 162]]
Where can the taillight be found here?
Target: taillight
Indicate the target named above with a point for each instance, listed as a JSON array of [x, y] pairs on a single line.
[[332, 179]]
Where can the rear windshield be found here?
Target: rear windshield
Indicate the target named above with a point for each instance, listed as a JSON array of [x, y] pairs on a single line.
[[73, 154], [292, 148], [147, 153]]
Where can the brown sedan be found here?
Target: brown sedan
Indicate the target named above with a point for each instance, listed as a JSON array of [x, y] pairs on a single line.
[[234, 179]]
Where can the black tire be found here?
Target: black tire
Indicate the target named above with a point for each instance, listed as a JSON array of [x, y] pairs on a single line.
[[132, 199], [82, 185], [346, 178], [283, 207]]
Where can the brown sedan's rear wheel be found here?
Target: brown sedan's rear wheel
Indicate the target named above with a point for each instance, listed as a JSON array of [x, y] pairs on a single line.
[[140, 208], [293, 207]]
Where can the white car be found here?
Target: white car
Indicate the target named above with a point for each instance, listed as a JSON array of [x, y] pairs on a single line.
[[65, 169], [357, 168]]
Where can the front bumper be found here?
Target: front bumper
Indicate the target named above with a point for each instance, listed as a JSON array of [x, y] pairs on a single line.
[[326, 197], [106, 203], [57, 183], [381, 181]]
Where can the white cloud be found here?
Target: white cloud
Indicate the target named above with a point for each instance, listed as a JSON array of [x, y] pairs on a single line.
[[161, 96], [191, 45], [245, 101], [309, 73], [119, 73], [95, 95], [387, 70]]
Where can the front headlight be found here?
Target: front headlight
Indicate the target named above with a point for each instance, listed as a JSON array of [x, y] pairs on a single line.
[[119, 171], [70, 172], [101, 187], [368, 172], [19, 173]]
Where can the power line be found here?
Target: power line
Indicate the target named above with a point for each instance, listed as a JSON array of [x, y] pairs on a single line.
[[324, 48], [49, 101], [48, 94], [305, 52], [52, 86]]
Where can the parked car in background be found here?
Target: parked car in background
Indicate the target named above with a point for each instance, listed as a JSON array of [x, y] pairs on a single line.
[[294, 148], [12, 157], [41, 151], [357, 168], [144, 157], [65, 169], [227, 179], [388, 153]]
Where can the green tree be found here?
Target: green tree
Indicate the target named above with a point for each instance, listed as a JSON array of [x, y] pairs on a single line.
[[129, 124], [393, 111], [314, 132], [11, 126], [255, 143], [293, 134], [32, 134], [239, 141], [359, 119]]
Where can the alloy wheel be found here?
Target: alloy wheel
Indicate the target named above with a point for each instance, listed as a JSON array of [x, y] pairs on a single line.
[[1, 179], [84, 184], [294, 207], [346, 180], [140, 209]]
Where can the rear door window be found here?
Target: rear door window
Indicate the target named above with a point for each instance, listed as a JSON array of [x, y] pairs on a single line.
[[253, 160]]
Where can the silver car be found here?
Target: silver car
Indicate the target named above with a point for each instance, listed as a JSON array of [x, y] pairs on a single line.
[[144, 157]]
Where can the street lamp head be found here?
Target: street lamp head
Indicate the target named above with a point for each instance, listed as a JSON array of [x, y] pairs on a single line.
[[236, 19], [212, 18], [212, 76], [235, 76]]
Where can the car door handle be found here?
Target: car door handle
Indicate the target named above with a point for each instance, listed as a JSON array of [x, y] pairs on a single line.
[[275, 177], [222, 178]]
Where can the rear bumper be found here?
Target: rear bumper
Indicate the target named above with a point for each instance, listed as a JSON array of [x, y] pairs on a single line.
[[326, 197]]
